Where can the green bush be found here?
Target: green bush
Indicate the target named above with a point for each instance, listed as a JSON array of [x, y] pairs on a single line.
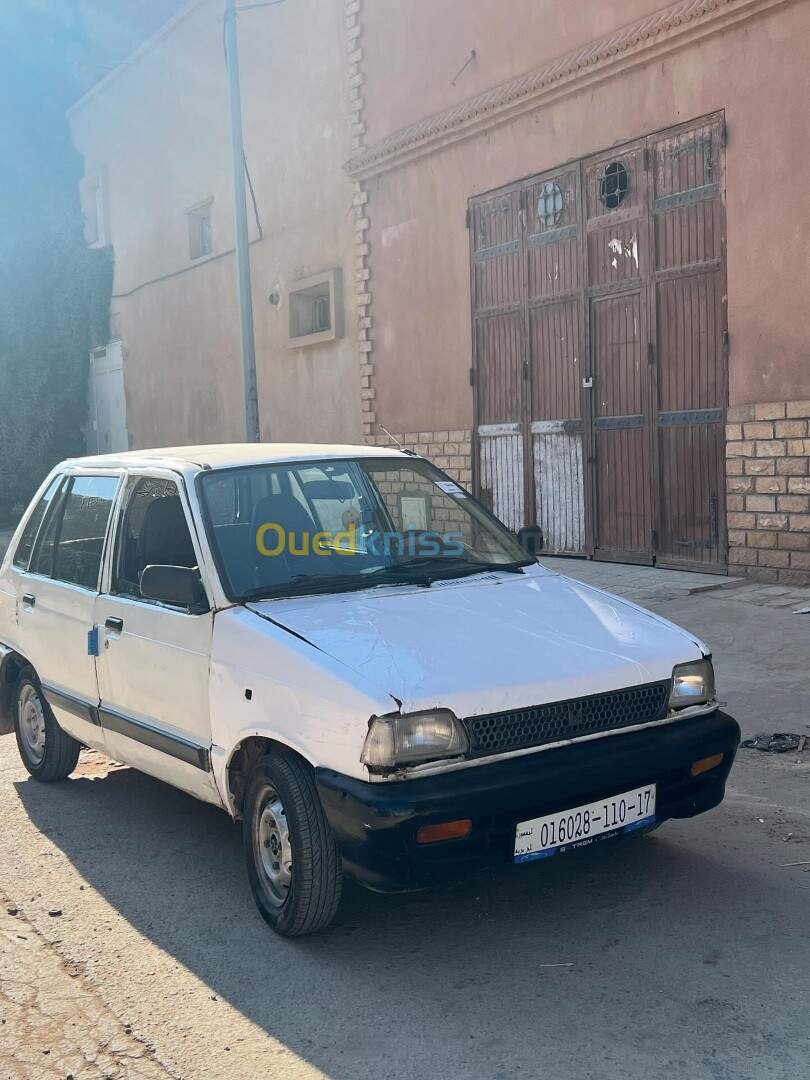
[[54, 291]]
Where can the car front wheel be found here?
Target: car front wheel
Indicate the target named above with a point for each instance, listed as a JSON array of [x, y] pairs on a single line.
[[293, 862], [47, 752]]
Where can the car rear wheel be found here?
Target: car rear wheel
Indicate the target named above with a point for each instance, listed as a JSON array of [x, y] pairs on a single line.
[[293, 862], [47, 752]]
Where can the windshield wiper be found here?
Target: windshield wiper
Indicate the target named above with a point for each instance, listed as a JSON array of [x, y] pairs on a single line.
[[456, 567], [329, 583]]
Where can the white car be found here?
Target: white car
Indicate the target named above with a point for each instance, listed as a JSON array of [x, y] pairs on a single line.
[[340, 646]]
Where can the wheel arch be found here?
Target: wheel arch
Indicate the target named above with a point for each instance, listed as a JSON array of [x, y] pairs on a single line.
[[239, 763], [12, 664]]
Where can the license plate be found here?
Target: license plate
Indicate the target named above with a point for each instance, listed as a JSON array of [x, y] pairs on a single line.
[[556, 833]]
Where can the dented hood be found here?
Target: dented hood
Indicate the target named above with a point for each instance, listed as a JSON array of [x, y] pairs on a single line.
[[488, 643]]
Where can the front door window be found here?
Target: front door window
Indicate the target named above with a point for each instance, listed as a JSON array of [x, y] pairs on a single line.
[[154, 533]]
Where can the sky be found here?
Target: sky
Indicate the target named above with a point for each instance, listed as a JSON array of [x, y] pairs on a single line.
[[51, 52], [94, 35]]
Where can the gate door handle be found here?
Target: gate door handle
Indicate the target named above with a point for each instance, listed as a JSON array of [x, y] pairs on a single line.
[[29, 599], [114, 624]]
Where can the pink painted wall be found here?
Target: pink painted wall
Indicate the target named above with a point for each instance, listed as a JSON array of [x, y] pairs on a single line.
[[414, 48], [757, 72]]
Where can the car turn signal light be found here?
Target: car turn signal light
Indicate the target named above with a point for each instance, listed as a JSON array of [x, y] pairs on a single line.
[[705, 764], [448, 830]]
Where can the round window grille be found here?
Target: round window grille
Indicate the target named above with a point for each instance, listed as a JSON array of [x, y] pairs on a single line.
[[550, 204], [613, 185]]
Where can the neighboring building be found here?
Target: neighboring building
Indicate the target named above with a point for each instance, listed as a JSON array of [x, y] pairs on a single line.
[[158, 188], [585, 233]]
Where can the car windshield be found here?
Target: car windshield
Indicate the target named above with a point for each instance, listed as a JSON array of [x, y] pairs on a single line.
[[321, 526]]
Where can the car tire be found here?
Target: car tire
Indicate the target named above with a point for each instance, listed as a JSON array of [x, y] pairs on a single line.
[[293, 862], [47, 752]]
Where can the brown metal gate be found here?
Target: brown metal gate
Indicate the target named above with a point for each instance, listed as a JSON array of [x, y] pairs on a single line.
[[688, 297], [600, 338], [498, 284]]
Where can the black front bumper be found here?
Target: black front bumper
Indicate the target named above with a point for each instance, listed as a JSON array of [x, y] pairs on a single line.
[[376, 823]]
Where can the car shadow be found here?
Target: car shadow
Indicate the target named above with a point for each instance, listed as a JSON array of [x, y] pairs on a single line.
[[502, 963]]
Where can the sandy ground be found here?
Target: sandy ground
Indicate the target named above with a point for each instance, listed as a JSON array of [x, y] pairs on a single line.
[[685, 953]]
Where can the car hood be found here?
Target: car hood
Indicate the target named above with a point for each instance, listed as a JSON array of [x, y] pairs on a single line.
[[489, 643]]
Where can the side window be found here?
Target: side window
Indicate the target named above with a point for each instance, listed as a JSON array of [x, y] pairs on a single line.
[[22, 555], [80, 536], [154, 532]]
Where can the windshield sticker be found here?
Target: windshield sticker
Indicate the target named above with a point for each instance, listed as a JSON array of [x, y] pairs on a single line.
[[451, 488]]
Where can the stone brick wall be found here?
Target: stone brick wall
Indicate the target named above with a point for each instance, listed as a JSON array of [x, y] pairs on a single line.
[[448, 450], [362, 251], [768, 485]]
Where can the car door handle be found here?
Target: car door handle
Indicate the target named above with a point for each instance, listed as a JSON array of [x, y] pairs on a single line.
[[29, 599], [114, 624]]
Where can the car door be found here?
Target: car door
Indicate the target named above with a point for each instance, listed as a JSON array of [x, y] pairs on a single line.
[[154, 657], [57, 584]]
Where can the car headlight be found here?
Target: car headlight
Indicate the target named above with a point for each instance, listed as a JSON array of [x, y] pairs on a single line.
[[692, 684], [408, 740]]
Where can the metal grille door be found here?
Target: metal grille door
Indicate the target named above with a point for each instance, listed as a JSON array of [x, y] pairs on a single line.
[[618, 268], [499, 290], [600, 351], [552, 216], [689, 298]]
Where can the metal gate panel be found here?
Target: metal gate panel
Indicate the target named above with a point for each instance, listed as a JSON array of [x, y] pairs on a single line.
[[554, 333], [689, 296], [499, 314], [499, 346], [553, 215], [559, 484], [502, 472], [618, 266], [620, 429], [616, 247]]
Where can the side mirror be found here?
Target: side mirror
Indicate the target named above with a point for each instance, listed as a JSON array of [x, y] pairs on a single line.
[[174, 585], [531, 539]]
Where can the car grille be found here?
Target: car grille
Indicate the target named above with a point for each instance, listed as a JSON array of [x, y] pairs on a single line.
[[569, 719]]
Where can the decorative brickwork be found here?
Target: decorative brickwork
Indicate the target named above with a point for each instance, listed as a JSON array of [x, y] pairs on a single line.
[[357, 129], [768, 484], [449, 450]]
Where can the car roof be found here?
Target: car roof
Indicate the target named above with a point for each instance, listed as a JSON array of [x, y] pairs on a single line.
[[228, 455]]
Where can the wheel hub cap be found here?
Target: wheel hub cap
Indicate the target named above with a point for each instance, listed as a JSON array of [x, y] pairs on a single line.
[[272, 839], [32, 724]]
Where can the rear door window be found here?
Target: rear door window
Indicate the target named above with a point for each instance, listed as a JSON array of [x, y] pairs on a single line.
[[45, 543], [79, 543], [22, 556]]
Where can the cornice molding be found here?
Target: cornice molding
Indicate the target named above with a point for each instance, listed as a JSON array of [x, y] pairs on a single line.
[[639, 43]]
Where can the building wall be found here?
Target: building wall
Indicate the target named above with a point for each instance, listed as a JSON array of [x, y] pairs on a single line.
[[158, 130], [747, 57], [415, 48]]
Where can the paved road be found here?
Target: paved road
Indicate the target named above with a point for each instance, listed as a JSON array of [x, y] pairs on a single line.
[[688, 949]]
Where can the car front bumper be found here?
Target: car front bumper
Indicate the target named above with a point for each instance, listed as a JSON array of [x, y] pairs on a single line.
[[376, 823]]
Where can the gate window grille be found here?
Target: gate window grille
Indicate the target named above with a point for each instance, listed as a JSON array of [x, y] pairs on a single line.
[[550, 205], [613, 185]]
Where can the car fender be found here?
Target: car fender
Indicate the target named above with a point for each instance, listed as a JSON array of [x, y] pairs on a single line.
[[269, 683]]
